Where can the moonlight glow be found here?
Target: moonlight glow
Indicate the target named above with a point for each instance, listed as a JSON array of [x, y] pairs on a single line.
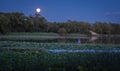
[[38, 10]]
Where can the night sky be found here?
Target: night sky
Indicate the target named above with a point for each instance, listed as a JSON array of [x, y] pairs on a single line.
[[62, 10]]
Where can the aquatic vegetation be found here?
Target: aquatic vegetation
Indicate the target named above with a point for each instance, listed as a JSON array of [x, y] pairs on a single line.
[[48, 61], [72, 46], [34, 56]]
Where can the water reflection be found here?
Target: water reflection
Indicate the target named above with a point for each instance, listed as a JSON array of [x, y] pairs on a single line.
[[88, 51], [62, 39], [65, 39], [79, 41], [93, 39]]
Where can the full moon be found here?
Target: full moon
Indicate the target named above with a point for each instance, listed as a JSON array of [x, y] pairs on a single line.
[[38, 10]]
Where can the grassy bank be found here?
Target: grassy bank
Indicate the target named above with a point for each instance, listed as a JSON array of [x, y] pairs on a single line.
[[52, 34], [32, 34], [42, 34], [57, 45], [38, 36]]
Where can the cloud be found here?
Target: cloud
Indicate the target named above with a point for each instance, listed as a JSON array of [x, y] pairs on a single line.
[[113, 13]]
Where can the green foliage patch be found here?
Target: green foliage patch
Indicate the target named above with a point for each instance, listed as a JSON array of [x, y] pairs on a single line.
[[48, 61], [34, 60], [72, 46]]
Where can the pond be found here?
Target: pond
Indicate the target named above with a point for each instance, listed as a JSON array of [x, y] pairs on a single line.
[[92, 39], [86, 50], [59, 39]]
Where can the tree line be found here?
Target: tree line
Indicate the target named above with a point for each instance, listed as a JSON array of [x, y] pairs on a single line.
[[18, 22]]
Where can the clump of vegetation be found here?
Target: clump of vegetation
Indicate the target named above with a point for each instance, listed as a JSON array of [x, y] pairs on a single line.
[[62, 31]]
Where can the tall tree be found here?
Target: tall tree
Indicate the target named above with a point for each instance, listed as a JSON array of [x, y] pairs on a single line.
[[4, 28]]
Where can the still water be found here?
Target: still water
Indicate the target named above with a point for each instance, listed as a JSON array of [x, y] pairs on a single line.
[[87, 51], [59, 39], [82, 40]]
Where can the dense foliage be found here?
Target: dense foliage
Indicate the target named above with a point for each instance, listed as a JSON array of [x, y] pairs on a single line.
[[48, 61], [18, 22], [34, 56], [73, 46]]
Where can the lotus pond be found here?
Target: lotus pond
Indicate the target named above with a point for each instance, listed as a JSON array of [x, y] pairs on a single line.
[[35, 56], [42, 53], [65, 61]]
